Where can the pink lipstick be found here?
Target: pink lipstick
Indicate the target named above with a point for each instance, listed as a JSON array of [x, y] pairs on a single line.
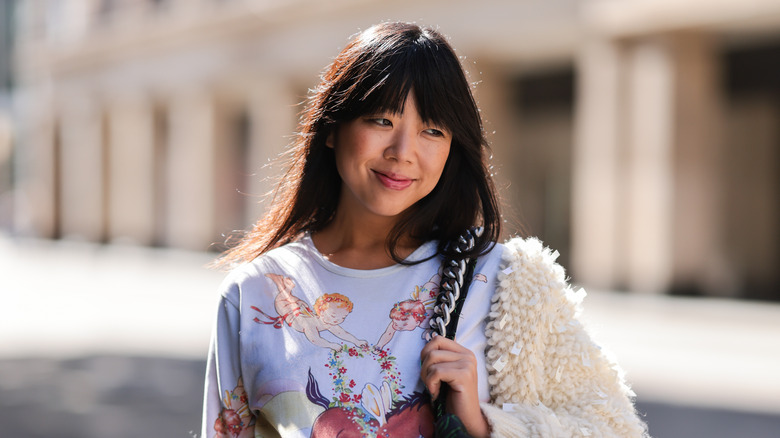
[[393, 181]]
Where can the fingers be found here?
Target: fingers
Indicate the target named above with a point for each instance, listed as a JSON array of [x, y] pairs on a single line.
[[442, 343], [459, 371], [459, 375], [443, 360]]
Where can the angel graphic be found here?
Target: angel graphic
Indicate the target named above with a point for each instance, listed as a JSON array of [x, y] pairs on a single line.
[[330, 310], [416, 312], [409, 314], [235, 420]]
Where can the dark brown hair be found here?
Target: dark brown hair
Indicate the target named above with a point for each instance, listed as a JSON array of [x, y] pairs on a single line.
[[374, 73]]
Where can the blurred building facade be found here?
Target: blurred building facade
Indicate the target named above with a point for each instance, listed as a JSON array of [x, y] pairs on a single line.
[[6, 83], [640, 138]]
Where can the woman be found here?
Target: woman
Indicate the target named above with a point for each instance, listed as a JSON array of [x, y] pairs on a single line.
[[389, 166]]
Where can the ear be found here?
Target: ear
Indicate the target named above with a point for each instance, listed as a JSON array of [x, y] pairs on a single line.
[[330, 141]]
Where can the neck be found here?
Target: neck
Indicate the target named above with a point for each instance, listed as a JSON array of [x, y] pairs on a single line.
[[360, 241]]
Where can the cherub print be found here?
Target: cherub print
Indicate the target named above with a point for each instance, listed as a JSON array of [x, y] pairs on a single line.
[[330, 310], [415, 312], [235, 421]]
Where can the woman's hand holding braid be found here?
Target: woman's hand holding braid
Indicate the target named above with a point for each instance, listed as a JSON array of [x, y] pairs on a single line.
[[444, 360]]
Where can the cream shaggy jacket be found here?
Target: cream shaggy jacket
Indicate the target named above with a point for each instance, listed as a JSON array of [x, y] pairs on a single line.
[[547, 377]]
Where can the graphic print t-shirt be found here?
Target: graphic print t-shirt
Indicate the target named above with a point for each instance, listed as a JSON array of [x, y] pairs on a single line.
[[303, 347]]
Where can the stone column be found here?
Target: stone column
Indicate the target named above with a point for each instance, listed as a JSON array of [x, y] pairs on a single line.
[[131, 170], [273, 115], [599, 123], [190, 209], [36, 202], [82, 169], [648, 169], [190, 172]]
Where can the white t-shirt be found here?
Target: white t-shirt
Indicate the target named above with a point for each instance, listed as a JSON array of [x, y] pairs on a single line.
[[303, 347]]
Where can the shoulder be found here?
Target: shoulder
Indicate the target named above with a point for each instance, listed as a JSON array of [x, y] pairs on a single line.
[[522, 259], [528, 257], [529, 248], [530, 280], [251, 276]]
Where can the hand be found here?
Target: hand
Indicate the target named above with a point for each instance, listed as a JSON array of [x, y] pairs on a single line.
[[444, 360]]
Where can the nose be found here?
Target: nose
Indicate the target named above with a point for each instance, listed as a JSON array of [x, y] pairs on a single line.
[[403, 146]]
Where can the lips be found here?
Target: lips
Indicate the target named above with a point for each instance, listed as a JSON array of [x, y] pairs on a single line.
[[393, 181]]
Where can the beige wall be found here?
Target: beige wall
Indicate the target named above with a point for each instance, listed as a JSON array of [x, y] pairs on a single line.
[[135, 136]]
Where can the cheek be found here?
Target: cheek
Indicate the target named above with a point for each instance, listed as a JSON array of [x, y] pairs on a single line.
[[437, 164], [436, 176], [353, 147]]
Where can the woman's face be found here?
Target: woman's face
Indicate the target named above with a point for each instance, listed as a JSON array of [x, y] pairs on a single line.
[[388, 162]]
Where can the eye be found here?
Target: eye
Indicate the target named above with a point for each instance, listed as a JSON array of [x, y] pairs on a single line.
[[435, 132], [380, 121]]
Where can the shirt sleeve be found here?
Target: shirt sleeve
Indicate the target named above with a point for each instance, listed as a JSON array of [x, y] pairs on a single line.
[[547, 377], [225, 408]]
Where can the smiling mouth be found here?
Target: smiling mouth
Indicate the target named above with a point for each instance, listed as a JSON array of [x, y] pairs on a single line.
[[393, 182]]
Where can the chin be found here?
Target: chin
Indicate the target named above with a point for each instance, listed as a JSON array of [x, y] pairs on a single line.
[[392, 211]]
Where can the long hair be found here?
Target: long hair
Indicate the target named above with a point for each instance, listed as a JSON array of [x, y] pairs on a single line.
[[374, 73]]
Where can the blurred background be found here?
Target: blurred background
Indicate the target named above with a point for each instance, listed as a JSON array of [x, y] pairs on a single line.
[[639, 138]]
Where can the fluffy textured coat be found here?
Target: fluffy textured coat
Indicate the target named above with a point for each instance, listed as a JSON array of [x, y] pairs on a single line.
[[547, 377]]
